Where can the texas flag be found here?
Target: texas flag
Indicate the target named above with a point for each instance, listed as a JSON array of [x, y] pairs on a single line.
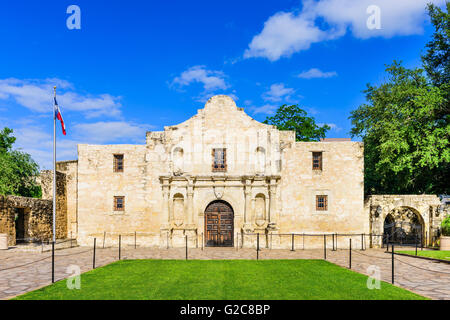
[[59, 117]]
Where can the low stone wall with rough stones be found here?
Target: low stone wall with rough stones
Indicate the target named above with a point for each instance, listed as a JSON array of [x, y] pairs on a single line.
[[38, 218]]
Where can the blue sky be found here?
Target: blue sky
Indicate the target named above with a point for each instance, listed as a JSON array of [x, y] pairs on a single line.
[[140, 65]]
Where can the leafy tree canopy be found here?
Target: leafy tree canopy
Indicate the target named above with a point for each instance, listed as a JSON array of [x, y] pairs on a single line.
[[296, 119], [18, 171], [406, 136]]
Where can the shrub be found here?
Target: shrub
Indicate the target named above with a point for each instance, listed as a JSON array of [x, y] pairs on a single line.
[[445, 227]]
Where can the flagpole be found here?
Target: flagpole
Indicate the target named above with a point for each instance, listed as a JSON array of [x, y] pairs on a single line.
[[54, 167]]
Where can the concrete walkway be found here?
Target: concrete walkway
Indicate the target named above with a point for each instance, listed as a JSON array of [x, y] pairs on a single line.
[[21, 272]]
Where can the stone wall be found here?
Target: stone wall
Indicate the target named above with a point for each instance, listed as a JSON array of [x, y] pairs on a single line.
[[70, 169], [378, 207], [37, 221]]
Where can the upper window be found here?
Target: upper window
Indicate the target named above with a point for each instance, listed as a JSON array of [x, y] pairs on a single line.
[[317, 161], [118, 163], [119, 203], [219, 160], [321, 203]]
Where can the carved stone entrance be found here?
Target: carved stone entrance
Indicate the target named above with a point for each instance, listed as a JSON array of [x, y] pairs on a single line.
[[219, 224]]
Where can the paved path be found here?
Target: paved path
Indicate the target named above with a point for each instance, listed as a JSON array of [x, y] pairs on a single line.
[[21, 272]]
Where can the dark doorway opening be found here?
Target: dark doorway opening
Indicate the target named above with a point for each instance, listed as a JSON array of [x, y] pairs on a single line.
[[19, 219]]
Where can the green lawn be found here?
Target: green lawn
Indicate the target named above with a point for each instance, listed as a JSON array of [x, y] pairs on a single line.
[[443, 255], [221, 279]]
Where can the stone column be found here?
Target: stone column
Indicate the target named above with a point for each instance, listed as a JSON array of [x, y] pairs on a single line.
[[190, 204], [165, 223], [247, 213], [273, 214]]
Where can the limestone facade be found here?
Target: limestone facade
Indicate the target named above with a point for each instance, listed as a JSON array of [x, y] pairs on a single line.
[[168, 183]]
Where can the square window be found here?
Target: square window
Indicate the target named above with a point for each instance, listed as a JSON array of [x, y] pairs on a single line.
[[118, 163], [119, 203], [322, 203]]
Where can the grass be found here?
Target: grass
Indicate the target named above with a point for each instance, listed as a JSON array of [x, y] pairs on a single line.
[[221, 280], [436, 254]]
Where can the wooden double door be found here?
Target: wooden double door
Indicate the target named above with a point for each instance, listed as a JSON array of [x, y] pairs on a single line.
[[219, 224]]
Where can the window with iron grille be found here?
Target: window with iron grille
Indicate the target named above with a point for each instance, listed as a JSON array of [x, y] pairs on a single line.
[[321, 203], [118, 163], [317, 161], [219, 160], [119, 203]]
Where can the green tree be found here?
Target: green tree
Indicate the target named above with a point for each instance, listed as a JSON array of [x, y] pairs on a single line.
[[406, 137], [18, 171], [296, 119], [436, 61]]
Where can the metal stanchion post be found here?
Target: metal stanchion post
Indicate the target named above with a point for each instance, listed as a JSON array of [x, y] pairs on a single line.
[[257, 246], [292, 240], [350, 254], [120, 243], [93, 258], [325, 247], [186, 247], [392, 244]]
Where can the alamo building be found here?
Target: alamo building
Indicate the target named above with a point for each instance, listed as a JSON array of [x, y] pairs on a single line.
[[221, 177]]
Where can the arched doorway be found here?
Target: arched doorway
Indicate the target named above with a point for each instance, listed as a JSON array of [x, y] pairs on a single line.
[[219, 224], [403, 225]]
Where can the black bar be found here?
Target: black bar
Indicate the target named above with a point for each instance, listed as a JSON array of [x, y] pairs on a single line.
[[53, 261], [350, 254], [325, 247], [332, 238], [336, 241], [392, 244], [416, 244], [257, 246], [421, 241], [292, 243], [362, 241], [93, 258], [186, 247], [120, 242]]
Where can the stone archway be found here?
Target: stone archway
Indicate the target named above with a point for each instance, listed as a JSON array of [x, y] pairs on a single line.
[[403, 225], [219, 224]]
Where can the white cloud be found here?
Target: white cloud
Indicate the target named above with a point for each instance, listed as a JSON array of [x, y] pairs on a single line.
[[278, 92], [265, 109], [113, 131], [316, 73], [211, 80], [286, 33], [37, 96]]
